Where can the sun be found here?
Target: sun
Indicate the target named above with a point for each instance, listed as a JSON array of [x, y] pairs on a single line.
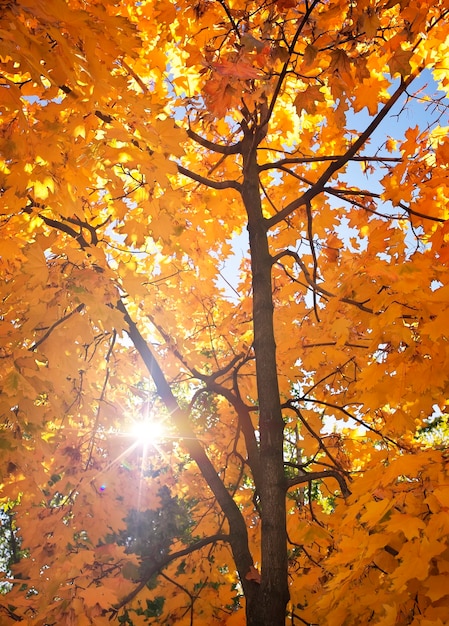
[[147, 432]]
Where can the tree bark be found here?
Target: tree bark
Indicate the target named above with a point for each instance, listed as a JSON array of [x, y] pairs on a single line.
[[270, 607]]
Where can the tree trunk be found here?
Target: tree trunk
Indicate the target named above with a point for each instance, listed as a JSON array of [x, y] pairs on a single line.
[[273, 594]]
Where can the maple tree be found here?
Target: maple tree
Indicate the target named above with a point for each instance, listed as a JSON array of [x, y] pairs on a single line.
[[301, 475]]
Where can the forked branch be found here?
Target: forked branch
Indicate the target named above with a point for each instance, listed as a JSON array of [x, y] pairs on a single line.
[[337, 165], [158, 566], [238, 536]]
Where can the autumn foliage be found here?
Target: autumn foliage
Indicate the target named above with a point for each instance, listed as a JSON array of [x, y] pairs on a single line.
[[228, 219]]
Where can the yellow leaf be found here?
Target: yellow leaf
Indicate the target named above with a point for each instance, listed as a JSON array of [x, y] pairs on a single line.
[[410, 525], [42, 188]]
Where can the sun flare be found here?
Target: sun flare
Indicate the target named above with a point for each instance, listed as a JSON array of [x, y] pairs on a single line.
[[147, 432]]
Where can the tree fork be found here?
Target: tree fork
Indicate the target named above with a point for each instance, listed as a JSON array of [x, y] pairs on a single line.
[[238, 535]]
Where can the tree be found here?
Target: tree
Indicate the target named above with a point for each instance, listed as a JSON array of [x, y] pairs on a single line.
[[140, 141]]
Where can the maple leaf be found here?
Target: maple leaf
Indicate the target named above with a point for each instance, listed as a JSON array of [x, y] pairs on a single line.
[[307, 100], [371, 23], [399, 63], [238, 69], [101, 596]]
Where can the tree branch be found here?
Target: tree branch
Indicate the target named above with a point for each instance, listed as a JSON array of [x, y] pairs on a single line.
[[341, 162], [159, 565], [321, 159], [341, 193], [238, 536], [56, 223], [35, 345], [358, 420], [211, 384], [202, 180], [314, 257], [321, 445], [285, 67], [314, 285], [230, 18], [212, 146], [308, 477]]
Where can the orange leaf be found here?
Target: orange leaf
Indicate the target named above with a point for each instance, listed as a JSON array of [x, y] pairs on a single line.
[[239, 70]]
